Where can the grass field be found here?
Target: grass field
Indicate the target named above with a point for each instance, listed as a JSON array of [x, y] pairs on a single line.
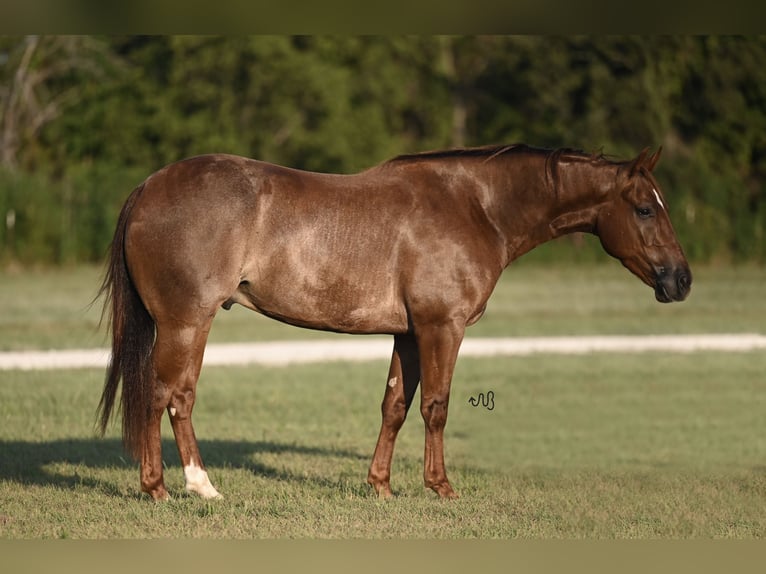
[[605, 446], [612, 446]]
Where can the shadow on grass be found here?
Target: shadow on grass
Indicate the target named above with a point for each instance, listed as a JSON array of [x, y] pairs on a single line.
[[29, 463]]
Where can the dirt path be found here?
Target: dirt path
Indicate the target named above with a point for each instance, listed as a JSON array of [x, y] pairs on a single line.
[[373, 348]]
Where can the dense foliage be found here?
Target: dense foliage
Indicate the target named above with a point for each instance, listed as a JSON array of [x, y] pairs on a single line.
[[84, 119]]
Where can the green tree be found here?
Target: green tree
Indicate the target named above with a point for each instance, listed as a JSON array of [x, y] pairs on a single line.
[[41, 81]]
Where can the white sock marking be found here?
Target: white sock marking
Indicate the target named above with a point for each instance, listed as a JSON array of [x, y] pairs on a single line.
[[198, 481]]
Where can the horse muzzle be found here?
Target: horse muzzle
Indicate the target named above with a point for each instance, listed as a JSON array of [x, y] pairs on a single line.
[[672, 284]]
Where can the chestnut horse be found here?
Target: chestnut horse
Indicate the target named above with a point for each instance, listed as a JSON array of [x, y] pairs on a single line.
[[412, 247]]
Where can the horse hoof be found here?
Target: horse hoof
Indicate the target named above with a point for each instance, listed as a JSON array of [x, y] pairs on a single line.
[[159, 495], [445, 492], [385, 494], [197, 481], [207, 492], [382, 489]]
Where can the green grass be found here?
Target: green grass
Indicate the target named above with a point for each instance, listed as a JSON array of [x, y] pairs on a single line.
[[604, 446], [49, 308]]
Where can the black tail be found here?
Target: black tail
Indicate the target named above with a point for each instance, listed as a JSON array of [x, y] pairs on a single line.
[[133, 333]]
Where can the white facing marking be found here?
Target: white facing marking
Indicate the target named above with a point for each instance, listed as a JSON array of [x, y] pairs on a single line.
[[657, 195], [172, 411], [198, 481], [392, 382]]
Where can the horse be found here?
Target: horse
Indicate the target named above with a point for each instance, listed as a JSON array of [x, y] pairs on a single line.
[[412, 248]]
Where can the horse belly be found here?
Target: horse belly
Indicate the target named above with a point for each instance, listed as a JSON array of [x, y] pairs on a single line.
[[336, 293], [310, 302]]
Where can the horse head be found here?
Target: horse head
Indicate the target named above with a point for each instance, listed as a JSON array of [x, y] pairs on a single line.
[[634, 226]]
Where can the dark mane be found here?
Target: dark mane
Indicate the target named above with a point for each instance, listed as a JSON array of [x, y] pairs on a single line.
[[486, 152], [491, 151]]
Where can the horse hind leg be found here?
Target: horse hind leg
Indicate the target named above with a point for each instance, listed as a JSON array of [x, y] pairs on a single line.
[[403, 379], [152, 481], [178, 361]]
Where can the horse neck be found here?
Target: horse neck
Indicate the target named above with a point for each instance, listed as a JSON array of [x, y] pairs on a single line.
[[544, 197], [581, 188]]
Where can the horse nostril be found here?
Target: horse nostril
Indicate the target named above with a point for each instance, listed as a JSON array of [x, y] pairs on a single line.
[[684, 282]]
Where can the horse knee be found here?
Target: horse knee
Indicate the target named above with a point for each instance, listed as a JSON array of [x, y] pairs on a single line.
[[434, 412]]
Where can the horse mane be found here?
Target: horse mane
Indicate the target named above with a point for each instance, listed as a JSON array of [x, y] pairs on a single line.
[[490, 152], [486, 152]]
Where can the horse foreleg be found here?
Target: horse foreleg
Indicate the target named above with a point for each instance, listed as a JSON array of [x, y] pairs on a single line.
[[403, 379], [438, 347]]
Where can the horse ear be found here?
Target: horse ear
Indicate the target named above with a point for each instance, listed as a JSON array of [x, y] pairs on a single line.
[[652, 161], [638, 163]]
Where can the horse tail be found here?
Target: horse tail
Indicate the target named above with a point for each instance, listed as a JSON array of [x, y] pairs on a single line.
[[133, 332]]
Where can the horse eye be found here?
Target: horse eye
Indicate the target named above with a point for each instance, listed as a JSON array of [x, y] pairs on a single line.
[[644, 212]]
